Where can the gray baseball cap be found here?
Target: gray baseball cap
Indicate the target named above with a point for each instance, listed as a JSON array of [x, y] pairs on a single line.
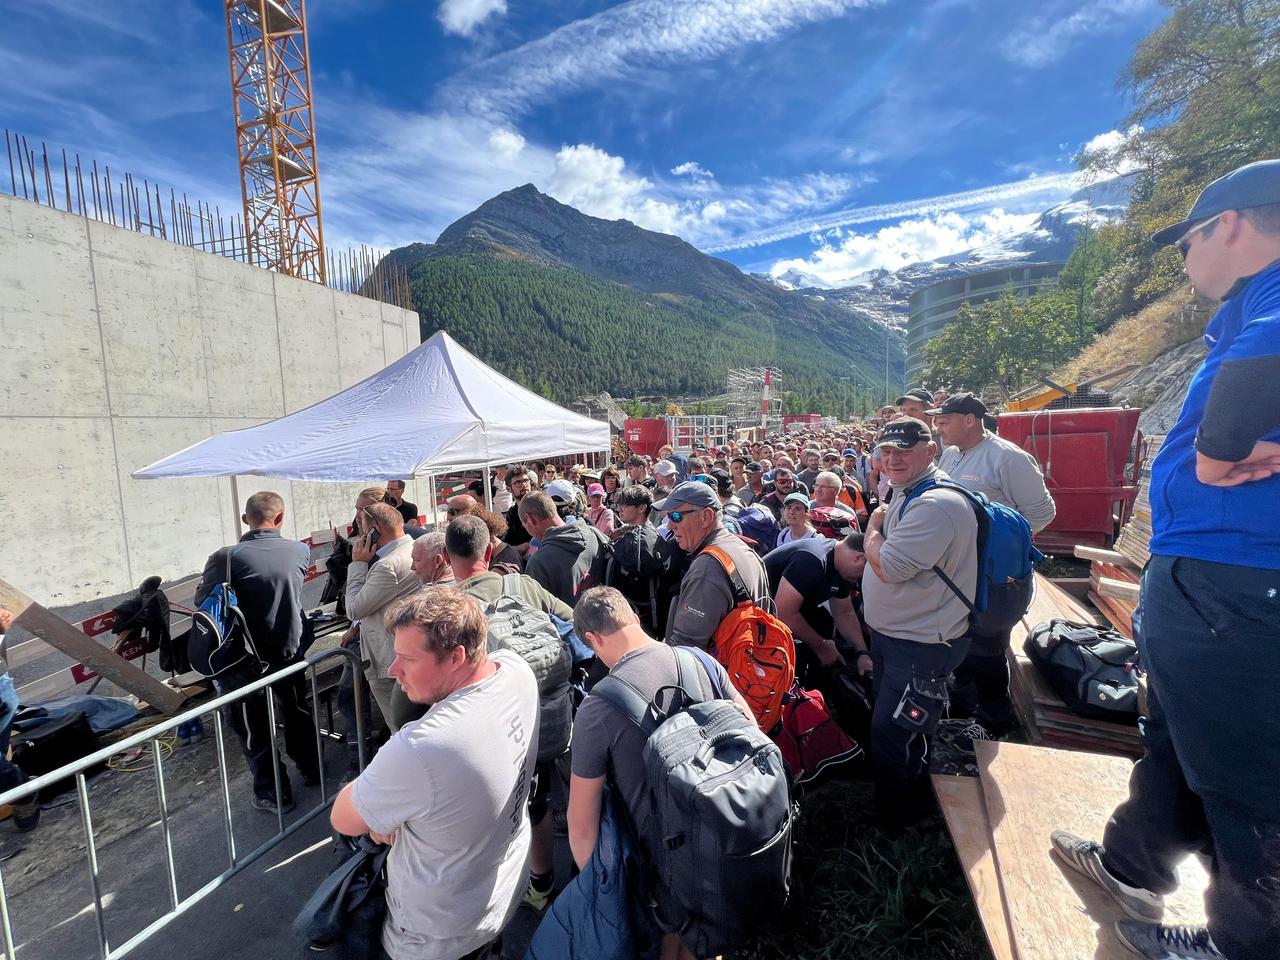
[[691, 493], [1253, 185]]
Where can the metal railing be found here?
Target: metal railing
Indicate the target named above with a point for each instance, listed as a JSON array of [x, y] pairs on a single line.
[[152, 735]]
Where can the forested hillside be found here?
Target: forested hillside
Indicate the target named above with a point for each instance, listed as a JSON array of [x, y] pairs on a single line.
[[565, 333], [569, 305]]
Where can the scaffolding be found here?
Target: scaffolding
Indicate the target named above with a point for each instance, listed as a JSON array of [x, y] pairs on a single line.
[[752, 396]]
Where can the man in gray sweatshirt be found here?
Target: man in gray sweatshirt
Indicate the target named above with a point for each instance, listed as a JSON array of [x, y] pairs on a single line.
[[978, 459], [919, 627]]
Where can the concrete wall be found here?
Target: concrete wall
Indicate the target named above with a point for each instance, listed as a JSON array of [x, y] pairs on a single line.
[[117, 349]]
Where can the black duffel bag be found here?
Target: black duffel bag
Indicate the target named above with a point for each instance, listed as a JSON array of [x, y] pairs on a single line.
[[55, 743], [342, 920], [1094, 670]]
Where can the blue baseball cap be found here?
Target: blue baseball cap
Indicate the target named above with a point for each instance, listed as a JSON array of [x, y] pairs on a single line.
[[849, 452], [691, 493], [1253, 185]]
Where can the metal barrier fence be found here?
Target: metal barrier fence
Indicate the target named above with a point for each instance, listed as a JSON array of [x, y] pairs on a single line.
[[152, 735]]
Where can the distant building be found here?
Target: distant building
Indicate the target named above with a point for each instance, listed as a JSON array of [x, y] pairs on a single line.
[[933, 307]]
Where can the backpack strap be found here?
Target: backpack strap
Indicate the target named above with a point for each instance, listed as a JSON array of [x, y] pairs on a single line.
[[981, 517], [736, 583], [511, 586], [642, 711]]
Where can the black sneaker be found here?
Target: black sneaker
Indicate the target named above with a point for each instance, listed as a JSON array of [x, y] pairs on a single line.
[[1085, 857], [1155, 941], [269, 804], [26, 813]]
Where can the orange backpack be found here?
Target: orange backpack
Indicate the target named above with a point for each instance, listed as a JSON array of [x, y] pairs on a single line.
[[756, 649]]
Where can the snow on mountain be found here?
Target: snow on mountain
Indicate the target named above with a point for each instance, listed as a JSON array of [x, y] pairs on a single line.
[[883, 294]]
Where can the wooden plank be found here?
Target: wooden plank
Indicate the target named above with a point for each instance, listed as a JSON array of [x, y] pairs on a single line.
[[1119, 589], [55, 631], [965, 812], [1103, 556], [1054, 913]]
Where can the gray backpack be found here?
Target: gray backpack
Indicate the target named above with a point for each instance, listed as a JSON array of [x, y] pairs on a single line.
[[717, 840], [517, 626]]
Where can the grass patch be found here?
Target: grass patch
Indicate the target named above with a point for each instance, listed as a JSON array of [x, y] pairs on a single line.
[[857, 892], [1140, 338]]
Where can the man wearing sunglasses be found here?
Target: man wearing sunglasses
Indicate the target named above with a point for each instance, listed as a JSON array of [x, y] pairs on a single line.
[[693, 516], [1208, 623]]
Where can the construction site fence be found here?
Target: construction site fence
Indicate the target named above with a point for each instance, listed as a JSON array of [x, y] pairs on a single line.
[[150, 739]]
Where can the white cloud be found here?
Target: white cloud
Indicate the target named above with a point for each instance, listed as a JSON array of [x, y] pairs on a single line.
[[599, 48], [843, 257], [1045, 40], [506, 144], [463, 16], [1112, 150], [1050, 188], [691, 168]]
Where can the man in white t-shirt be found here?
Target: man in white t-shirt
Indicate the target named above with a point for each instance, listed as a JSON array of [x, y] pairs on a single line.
[[449, 791]]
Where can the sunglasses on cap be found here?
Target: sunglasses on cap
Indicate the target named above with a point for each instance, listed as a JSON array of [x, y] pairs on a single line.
[[1184, 245], [454, 511]]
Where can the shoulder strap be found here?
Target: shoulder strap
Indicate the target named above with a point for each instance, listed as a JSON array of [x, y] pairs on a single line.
[[708, 664], [511, 586], [978, 508], [642, 711], [739, 586]]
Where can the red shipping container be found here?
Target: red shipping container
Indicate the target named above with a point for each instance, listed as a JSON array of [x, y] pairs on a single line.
[[1090, 458]]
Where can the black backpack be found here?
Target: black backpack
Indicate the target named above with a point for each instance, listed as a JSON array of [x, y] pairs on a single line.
[[717, 839], [1093, 670], [637, 565]]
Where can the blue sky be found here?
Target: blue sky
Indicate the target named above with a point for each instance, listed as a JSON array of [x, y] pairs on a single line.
[[833, 136]]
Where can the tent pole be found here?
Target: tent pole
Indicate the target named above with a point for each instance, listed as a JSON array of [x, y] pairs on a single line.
[[235, 507], [488, 489], [432, 508]]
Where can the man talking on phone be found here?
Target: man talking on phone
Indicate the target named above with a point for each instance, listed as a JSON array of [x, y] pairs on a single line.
[[371, 589]]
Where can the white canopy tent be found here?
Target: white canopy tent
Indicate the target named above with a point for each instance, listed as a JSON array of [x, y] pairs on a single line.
[[437, 409]]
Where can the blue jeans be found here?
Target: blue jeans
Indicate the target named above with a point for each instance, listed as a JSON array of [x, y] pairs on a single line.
[[910, 686], [10, 775], [1209, 635]]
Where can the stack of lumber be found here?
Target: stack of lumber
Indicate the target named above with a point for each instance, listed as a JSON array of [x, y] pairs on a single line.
[[1113, 585], [1044, 716], [1135, 535], [1031, 905]]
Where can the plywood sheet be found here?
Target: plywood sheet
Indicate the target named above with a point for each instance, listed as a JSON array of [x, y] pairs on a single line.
[[966, 814], [1054, 913]]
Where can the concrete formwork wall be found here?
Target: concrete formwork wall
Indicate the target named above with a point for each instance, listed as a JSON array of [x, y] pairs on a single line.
[[117, 349]]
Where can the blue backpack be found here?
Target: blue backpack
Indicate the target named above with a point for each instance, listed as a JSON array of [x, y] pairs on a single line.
[[757, 523], [1006, 559], [219, 643]]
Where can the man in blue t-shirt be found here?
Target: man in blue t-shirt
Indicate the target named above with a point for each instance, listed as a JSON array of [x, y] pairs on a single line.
[[1208, 624]]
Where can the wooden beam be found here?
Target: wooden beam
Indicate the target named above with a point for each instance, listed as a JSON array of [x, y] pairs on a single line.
[[1102, 556], [63, 636], [1119, 589]]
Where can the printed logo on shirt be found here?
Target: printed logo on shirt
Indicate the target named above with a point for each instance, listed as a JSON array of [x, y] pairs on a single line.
[[688, 609]]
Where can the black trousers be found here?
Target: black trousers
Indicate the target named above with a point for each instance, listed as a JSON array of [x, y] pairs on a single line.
[[910, 684], [250, 720], [981, 685], [1209, 779]]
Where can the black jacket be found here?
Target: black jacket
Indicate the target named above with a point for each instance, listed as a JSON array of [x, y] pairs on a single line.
[[266, 575]]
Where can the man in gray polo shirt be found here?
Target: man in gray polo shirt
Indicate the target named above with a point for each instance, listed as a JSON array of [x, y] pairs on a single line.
[[919, 627], [706, 594], [978, 459]]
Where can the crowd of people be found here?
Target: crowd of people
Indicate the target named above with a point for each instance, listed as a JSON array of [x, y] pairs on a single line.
[[486, 643]]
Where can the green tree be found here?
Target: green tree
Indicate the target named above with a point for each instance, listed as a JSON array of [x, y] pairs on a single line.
[[1005, 342]]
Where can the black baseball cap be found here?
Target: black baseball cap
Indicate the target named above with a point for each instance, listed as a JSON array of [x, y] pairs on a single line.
[[1253, 185], [918, 393], [903, 434], [755, 466], [959, 403]]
